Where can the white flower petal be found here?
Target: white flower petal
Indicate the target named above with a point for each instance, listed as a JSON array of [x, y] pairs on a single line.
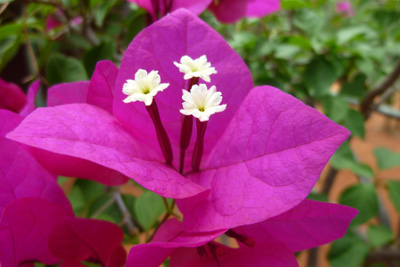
[[199, 67], [201, 102], [144, 87]]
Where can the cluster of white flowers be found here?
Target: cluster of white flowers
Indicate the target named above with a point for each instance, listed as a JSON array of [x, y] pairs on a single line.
[[199, 102]]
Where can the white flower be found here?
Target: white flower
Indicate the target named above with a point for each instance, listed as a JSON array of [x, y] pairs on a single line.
[[144, 87], [195, 68], [202, 102]]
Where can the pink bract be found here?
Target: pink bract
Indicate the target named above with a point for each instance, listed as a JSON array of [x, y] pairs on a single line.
[[159, 8], [33, 208], [80, 92], [20, 174], [78, 239], [307, 225], [344, 8], [11, 96], [230, 11], [25, 227], [262, 155], [31, 97]]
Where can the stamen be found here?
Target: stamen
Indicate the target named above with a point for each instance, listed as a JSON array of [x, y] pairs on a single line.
[[202, 251], [248, 241], [213, 248]]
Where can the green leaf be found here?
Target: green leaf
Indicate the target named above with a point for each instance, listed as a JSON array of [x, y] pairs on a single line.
[[318, 197], [286, 51], [356, 88], [11, 29], [354, 121], [77, 199], [149, 207], [394, 193], [319, 76], [92, 189], [90, 264], [346, 34], [5, 1], [309, 21], [109, 212], [379, 235], [101, 11], [335, 107], [293, 4], [137, 24], [61, 69], [344, 159], [362, 197], [10, 40], [386, 158], [61, 180], [349, 251], [105, 50]]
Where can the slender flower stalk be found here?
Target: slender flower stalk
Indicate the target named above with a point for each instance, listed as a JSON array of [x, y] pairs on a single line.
[[198, 148], [162, 135], [144, 88], [248, 241], [186, 131]]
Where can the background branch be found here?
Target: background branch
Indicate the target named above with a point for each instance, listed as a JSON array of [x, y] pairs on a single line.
[[127, 217], [367, 104]]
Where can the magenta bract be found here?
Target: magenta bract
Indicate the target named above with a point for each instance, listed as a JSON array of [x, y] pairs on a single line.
[[229, 11], [31, 97], [159, 8], [78, 239], [25, 227], [344, 8], [11, 96], [168, 238], [262, 155], [307, 225], [20, 174]]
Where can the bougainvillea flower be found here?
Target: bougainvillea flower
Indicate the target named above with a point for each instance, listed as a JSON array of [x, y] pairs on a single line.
[[168, 238], [261, 157], [20, 174], [229, 11], [58, 19], [37, 230], [95, 120], [25, 228], [11, 96], [99, 242], [82, 92], [159, 8], [32, 203], [344, 8], [274, 241], [31, 97]]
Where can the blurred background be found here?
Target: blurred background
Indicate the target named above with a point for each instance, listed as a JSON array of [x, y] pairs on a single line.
[[342, 58]]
